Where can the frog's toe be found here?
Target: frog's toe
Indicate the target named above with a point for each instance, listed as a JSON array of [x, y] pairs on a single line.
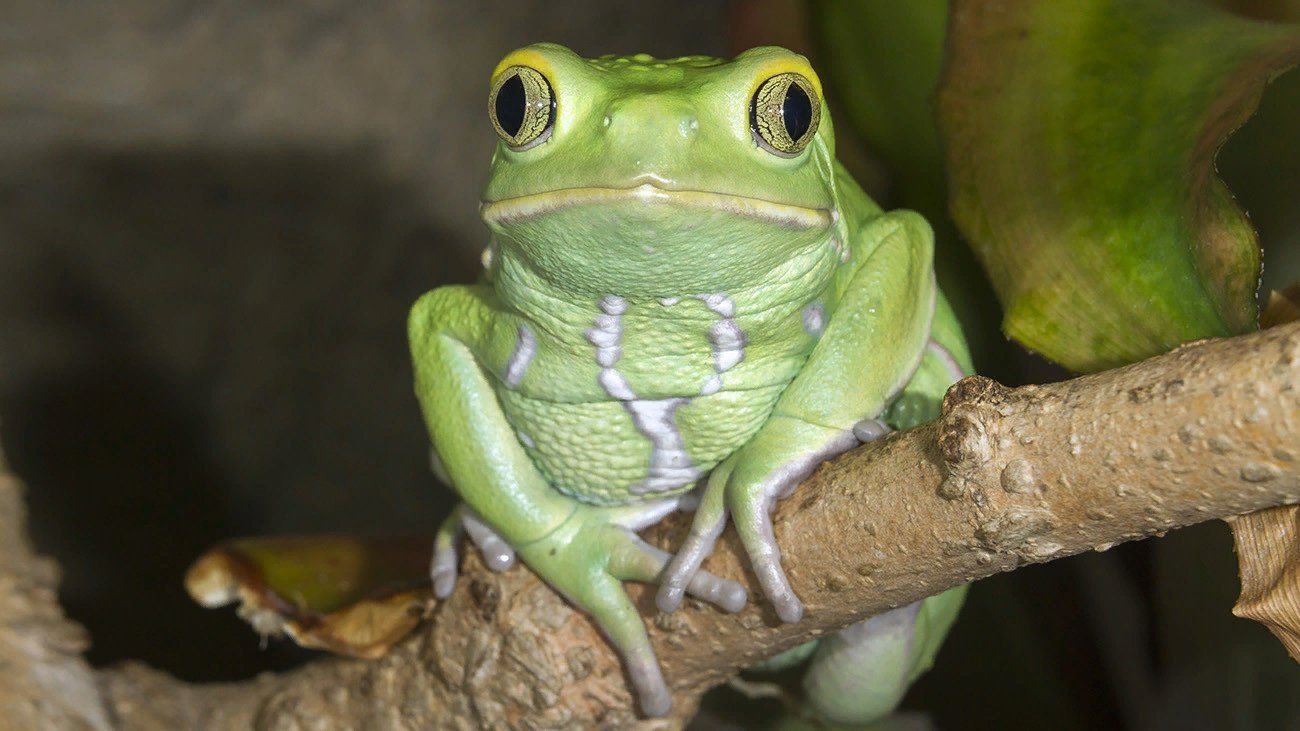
[[446, 560], [685, 564], [869, 430], [497, 554], [641, 561], [725, 594], [710, 518], [650, 687], [753, 521], [443, 571], [607, 602]]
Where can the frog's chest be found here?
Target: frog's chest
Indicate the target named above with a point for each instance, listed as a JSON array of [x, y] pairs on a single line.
[[632, 408]]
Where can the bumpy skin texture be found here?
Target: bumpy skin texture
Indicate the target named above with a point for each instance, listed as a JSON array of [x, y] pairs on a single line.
[[668, 303]]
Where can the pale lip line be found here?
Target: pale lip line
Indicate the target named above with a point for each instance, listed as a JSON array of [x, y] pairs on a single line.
[[523, 207]]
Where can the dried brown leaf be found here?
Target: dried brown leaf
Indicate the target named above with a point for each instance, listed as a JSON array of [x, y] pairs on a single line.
[[1268, 542]]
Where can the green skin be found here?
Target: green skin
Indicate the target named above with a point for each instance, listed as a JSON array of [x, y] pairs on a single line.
[[669, 303]]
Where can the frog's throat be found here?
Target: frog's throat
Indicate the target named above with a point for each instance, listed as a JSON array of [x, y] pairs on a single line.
[[511, 210]]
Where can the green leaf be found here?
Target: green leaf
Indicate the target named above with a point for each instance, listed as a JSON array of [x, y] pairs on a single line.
[[1080, 140], [882, 62]]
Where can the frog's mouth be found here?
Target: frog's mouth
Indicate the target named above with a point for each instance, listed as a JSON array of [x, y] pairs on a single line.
[[521, 208]]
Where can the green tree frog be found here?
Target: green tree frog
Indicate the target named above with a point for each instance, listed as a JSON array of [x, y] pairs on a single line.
[[687, 304]]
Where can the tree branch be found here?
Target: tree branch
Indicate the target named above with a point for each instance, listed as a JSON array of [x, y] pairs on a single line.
[[44, 683], [1006, 477]]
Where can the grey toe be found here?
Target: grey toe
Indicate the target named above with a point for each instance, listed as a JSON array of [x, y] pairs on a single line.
[[650, 687], [869, 430]]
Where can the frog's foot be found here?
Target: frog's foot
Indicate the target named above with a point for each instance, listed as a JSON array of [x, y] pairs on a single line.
[[750, 502], [497, 554], [859, 675], [603, 597], [710, 519], [643, 562], [588, 558]]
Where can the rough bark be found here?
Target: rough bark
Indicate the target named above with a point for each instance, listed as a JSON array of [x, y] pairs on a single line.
[[44, 683], [1006, 477]]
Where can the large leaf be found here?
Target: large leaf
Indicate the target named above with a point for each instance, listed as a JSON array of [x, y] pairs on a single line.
[[1080, 141], [882, 62]]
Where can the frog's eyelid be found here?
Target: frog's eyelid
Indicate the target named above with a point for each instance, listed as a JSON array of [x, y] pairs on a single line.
[[522, 107], [780, 101]]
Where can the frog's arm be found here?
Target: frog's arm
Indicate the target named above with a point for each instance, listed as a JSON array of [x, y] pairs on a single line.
[[582, 551], [478, 450], [878, 330]]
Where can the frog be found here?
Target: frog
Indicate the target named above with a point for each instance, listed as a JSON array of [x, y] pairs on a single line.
[[686, 303]]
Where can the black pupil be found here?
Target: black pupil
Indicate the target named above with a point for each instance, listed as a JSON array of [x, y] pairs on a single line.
[[511, 101], [796, 110]]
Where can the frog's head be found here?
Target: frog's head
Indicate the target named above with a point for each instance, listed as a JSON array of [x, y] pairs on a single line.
[[649, 178]]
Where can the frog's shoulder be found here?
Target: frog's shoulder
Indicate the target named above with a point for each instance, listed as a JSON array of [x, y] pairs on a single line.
[[852, 202]]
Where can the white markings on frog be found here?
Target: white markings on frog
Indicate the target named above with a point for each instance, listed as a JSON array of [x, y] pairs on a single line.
[[607, 333], [725, 337], [712, 385], [525, 349], [836, 242], [840, 248], [814, 318], [949, 361], [616, 385], [728, 342], [669, 466]]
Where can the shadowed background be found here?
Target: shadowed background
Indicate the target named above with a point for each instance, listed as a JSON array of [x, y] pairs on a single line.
[[213, 218]]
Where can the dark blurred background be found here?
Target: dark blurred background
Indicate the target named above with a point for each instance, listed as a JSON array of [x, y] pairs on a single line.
[[213, 217]]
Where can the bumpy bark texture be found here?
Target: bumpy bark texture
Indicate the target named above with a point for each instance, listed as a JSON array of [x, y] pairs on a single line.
[[1006, 477], [44, 683]]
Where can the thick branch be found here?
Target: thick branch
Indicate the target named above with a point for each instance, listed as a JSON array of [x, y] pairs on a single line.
[[1006, 477], [44, 683]]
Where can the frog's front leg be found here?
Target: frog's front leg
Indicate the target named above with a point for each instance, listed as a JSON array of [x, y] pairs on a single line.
[[748, 486], [872, 344], [583, 551]]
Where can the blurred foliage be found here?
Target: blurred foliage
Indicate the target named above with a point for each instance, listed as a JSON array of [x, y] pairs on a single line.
[[1080, 141], [883, 61]]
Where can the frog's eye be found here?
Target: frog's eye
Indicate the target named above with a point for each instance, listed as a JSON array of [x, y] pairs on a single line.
[[784, 114], [522, 107]]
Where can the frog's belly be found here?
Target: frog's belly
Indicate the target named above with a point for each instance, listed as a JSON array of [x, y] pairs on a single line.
[[615, 452]]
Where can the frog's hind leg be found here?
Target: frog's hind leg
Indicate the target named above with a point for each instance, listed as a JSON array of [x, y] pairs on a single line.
[[496, 552], [860, 674]]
